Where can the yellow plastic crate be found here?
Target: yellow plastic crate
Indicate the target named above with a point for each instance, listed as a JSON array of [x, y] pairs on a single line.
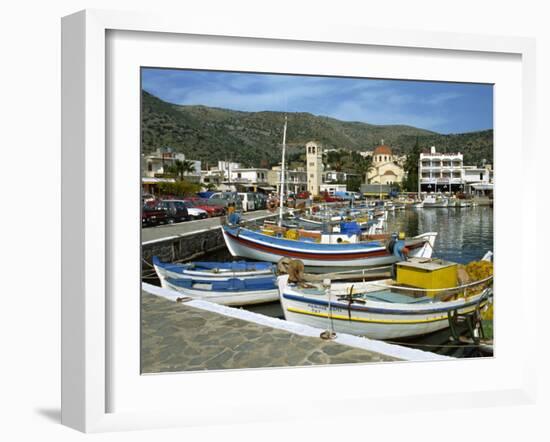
[[432, 274]]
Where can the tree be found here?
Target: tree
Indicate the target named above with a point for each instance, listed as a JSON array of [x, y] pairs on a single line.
[[179, 188], [411, 169], [181, 168], [353, 183]]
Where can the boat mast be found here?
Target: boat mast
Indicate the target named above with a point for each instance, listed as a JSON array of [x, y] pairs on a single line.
[[282, 185]]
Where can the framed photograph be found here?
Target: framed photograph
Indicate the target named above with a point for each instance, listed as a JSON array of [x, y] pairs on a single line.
[[317, 206]]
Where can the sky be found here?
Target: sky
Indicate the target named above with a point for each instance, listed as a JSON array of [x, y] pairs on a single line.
[[442, 107]]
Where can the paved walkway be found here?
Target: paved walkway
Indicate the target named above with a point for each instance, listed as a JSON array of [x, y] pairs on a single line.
[[178, 337]]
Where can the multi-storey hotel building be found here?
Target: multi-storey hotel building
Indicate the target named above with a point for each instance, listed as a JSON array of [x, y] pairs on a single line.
[[440, 172]]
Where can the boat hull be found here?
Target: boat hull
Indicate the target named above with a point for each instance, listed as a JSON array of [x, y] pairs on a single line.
[[229, 298], [251, 245], [376, 320], [179, 271]]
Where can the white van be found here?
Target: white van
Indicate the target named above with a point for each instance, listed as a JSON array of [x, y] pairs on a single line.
[[248, 200]]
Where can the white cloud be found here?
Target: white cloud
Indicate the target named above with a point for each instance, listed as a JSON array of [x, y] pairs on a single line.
[[374, 101]]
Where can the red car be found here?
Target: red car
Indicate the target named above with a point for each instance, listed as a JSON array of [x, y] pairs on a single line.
[[153, 215], [329, 199], [211, 209]]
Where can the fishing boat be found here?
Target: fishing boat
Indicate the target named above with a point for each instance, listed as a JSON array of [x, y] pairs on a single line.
[[212, 271], [379, 309], [435, 202], [461, 203], [343, 249], [232, 292]]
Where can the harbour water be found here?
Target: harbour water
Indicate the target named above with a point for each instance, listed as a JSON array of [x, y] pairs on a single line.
[[465, 234]]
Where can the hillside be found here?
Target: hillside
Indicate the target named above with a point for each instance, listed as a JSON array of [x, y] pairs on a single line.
[[254, 138]]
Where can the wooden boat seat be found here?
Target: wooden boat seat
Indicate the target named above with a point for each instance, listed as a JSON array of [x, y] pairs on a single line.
[[397, 298]]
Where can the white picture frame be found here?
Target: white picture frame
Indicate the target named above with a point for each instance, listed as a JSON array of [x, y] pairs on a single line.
[[87, 216]]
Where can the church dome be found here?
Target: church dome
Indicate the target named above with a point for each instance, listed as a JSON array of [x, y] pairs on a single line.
[[382, 150]]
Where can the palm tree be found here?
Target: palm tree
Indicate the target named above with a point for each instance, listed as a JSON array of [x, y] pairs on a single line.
[[364, 166], [181, 168]]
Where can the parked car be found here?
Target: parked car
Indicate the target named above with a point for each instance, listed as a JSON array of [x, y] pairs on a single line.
[[152, 214], [210, 208], [329, 199], [345, 195], [248, 200], [261, 201], [226, 198], [176, 211], [194, 211], [147, 198]]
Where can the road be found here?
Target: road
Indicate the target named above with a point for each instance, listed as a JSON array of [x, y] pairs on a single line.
[[174, 230]]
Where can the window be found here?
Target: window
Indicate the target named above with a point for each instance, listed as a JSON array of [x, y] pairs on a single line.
[[150, 167], [239, 175]]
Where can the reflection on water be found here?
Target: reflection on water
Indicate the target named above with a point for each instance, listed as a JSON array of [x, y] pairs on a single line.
[[465, 234]]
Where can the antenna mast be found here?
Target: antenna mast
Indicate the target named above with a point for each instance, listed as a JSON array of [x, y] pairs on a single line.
[[282, 185]]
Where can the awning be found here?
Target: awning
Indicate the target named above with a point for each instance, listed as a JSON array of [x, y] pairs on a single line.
[[147, 180], [483, 186], [267, 188]]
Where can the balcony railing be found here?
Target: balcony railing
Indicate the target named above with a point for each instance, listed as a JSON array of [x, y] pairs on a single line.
[[441, 181]]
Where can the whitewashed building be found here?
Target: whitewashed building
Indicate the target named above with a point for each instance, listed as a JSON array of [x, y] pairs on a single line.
[[295, 180], [160, 162], [330, 188], [446, 172], [333, 176], [249, 178], [226, 167], [440, 172]]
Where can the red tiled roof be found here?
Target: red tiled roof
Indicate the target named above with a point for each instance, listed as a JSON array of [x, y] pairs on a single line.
[[382, 150]]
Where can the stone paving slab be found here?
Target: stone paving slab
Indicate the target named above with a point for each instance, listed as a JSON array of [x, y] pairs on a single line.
[[178, 337]]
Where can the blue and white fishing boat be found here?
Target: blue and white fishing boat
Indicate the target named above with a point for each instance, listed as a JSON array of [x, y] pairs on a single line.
[[232, 292], [373, 309], [213, 271], [343, 249]]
